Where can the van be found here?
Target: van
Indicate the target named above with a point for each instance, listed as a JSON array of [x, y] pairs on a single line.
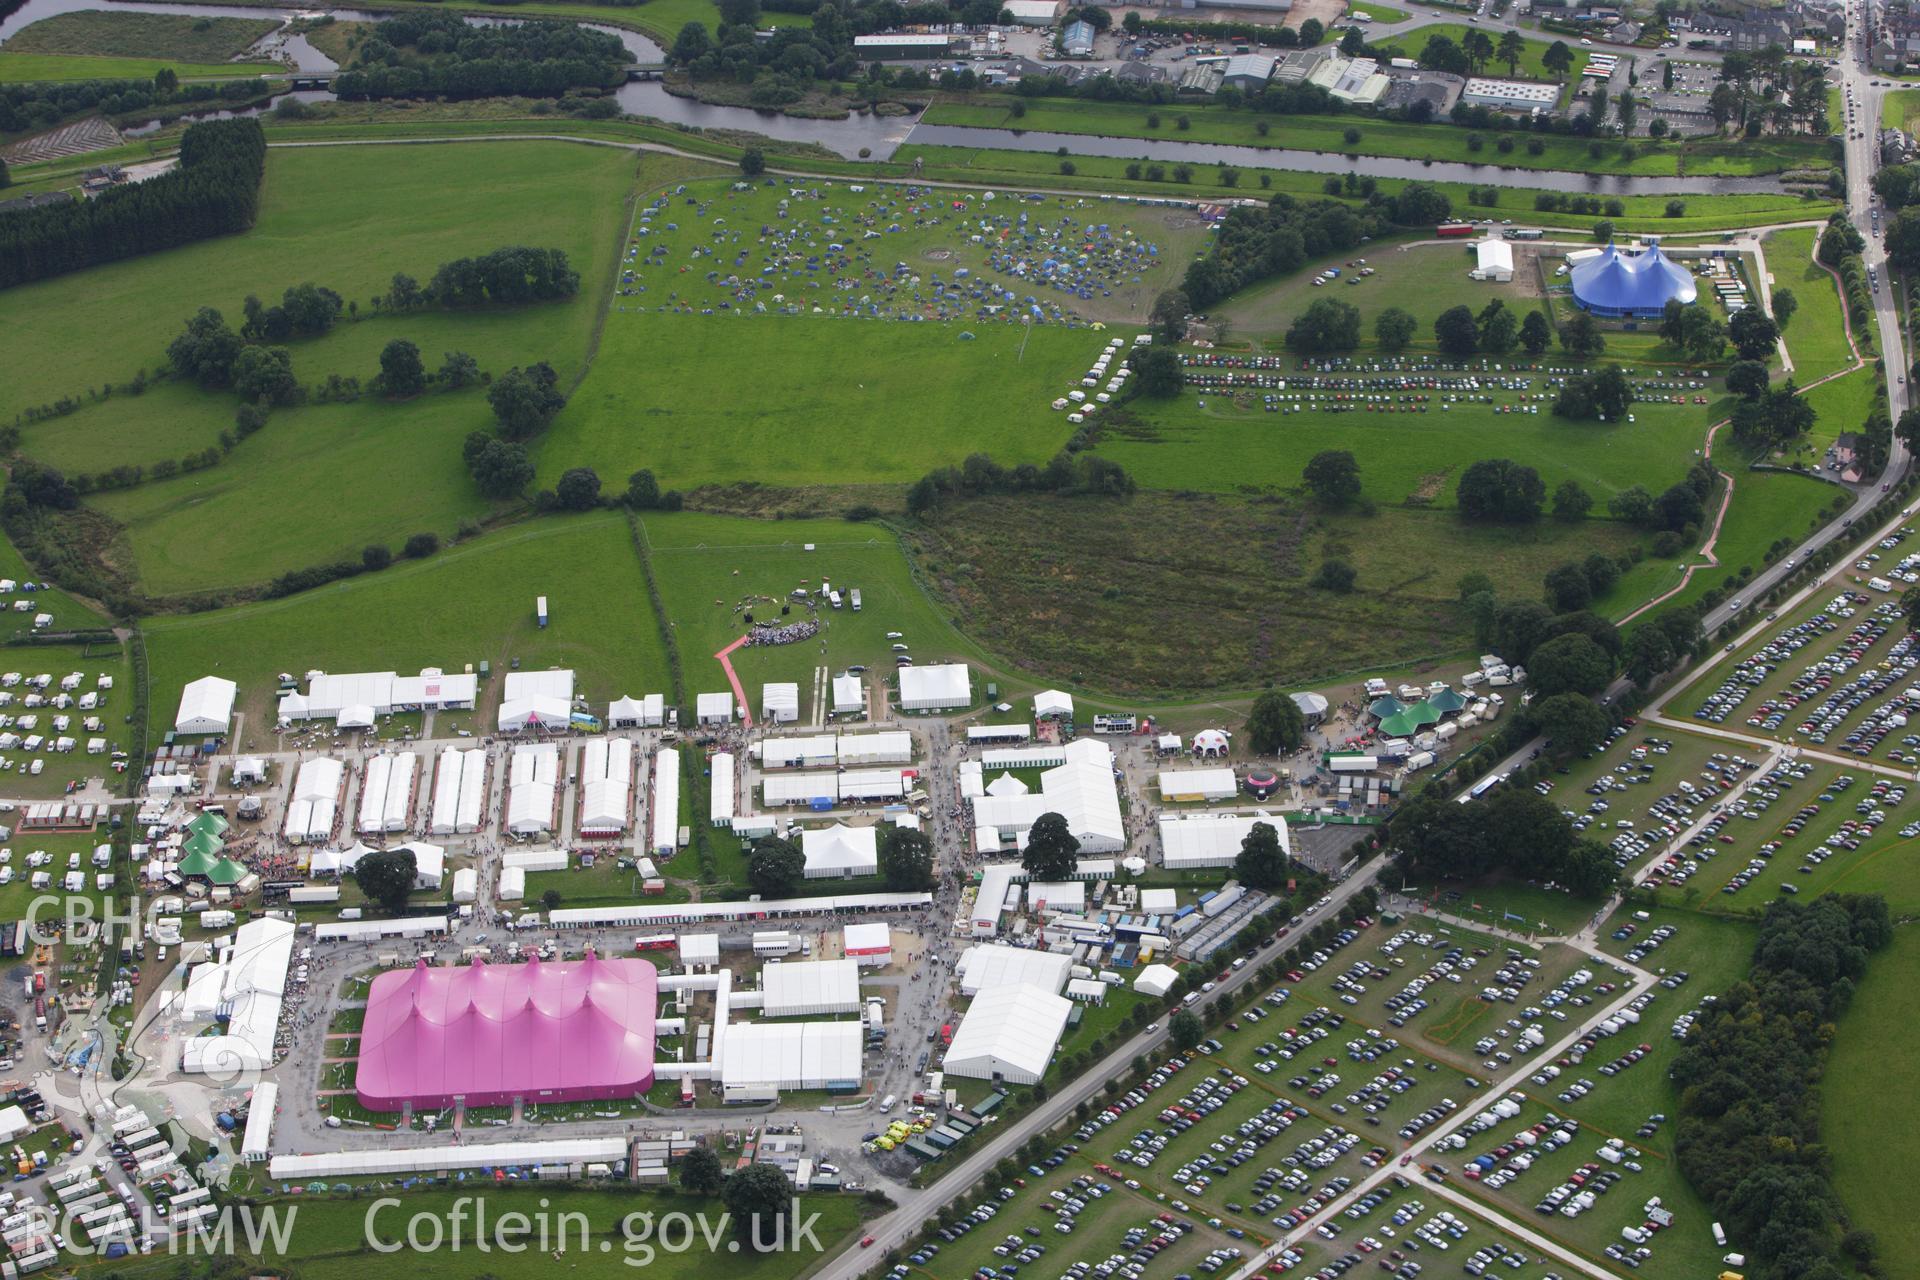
[[887, 1103]]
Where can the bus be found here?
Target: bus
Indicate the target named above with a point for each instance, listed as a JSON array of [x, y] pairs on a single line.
[[654, 942]]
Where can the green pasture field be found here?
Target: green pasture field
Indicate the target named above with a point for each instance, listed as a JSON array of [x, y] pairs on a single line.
[[1767, 505], [1531, 65], [706, 246], [121, 33], [347, 218], [1898, 108], [708, 566], [714, 399], [466, 604], [276, 509], [169, 420], [1067, 594], [1489, 902], [1871, 1102], [1842, 405], [69, 614], [16, 68], [1816, 334], [601, 884], [1206, 441], [331, 1238], [1327, 134], [1420, 279]]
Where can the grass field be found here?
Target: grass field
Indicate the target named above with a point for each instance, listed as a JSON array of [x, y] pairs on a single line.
[[966, 380], [347, 218], [275, 508], [16, 68], [1086, 598], [1531, 65], [469, 603], [121, 33], [1841, 406], [1871, 1101], [708, 566], [332, 1238], [710, 399], [1816, 335], [1327, 134]]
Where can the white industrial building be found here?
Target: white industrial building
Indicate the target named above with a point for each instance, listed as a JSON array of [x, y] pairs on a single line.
[[315, 802], [987, 966], [1495, 258], [810, 987], [532, 860], [713, 708], [206, 706], [722, 791], [1156, 980], [894, 746], [1510, 95], [832, 789], [466, 885], [1033, 13], [513, 884], [429, 863], [780, 701], [537, 700], [533, 788], [815, 751], [459, 792], [699, 948], [386, 792], [841, 851], [649, 712], [1211, 840], [1052, 704], [245, 985], [792, 1055], [666, 801], [606, 786], [256, 1142], [868, 943], [564, 1154], [1350, 79], [1178, 785], [848, 695], [1081, 791], [1008, 1033], [941, 687], [354, 700]]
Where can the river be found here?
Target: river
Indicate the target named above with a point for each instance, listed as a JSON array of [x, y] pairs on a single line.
[[878, 137]]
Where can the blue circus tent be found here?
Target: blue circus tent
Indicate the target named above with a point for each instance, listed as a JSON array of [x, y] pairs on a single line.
[[1616, 284]]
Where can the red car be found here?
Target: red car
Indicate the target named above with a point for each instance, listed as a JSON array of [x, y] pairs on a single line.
[[867, 1243]]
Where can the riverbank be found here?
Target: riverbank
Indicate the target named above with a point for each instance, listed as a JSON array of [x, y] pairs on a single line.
[[1366, 136], [658, 20]]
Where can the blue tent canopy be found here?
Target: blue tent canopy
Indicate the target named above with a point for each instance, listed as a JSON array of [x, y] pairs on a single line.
[[1616, 284]]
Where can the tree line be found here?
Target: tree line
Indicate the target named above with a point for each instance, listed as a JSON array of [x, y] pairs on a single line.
[[981, 476], [1748, 1138], [422, 54], [509, 276], [45, 103], [1511, 832], [214, 191]]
